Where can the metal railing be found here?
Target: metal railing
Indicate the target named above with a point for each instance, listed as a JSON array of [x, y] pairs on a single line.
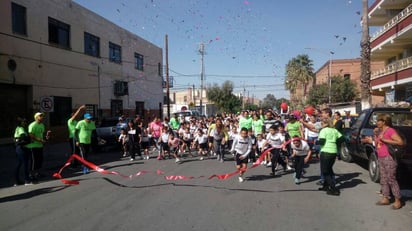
[[393, 67], [395, 20]]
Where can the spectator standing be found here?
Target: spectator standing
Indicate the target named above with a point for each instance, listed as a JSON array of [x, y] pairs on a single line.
[[21, 138], [36, 132], [329, 138], [385, 134], [83, 134]]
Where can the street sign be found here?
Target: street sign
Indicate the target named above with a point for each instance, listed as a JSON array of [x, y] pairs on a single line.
[[47, 104]]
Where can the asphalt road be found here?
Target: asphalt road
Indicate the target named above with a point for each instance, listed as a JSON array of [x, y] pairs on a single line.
[[150, 202]]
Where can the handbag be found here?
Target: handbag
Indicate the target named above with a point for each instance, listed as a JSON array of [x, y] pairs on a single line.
[[23, 140], [396, 151]]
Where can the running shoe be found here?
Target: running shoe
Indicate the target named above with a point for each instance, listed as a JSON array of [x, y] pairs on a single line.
[[240, 179]]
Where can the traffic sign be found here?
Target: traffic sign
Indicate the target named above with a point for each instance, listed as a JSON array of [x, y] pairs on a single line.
[[47, 104]]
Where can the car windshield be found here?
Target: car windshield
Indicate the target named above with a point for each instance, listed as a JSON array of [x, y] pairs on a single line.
[[398, 118]]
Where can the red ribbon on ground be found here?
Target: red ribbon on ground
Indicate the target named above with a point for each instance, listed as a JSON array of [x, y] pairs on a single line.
[[158, 172], [96, 168]]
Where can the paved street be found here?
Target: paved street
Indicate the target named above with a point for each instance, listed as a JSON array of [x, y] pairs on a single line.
[[150, 202]]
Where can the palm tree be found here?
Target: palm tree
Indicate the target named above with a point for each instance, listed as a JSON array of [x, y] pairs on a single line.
[[365, 59], [299, 71]]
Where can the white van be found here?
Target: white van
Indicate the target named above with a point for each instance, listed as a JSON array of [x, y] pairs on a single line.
[[187, 114]]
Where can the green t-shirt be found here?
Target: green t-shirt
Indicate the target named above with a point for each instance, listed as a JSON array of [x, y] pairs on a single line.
[[85, 131], [330, 135], [257, 126], [245, 122], [19, 131], [71, 126], [293, 129], [37, 130], [174, 123]]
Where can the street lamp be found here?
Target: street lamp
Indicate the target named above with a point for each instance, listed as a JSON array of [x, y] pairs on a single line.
[[330, 53]]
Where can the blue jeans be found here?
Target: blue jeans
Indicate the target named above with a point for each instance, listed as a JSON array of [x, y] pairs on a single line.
[[22, 161]]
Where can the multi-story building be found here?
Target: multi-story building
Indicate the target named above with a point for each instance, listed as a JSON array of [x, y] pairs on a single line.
[[56, 55], [348, 69], [345, 68], [392, 44]]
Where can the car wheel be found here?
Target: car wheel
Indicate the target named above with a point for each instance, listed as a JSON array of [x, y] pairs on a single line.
[[374, 168], [344, 153]]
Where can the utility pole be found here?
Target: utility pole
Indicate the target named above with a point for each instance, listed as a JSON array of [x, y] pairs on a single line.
[[167, 76], [193, 95], [202, 70], [243, 96]]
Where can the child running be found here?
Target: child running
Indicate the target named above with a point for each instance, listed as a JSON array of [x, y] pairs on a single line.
[[242, 145], [173, 144], [201, 140], [301, 152]]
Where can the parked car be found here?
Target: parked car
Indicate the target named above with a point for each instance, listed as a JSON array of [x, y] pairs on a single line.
[[187, 114], [364, 125], [108, 131]]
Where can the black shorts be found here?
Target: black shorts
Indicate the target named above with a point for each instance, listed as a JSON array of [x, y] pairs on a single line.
[[239, 161], [145, 145], [165, 147], [210, 139], [203, 146]]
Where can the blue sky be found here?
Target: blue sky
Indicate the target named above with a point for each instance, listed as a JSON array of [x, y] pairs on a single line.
[[246, 41]]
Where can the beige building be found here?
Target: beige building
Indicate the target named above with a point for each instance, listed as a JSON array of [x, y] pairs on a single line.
[[55, 55], [392, 44]]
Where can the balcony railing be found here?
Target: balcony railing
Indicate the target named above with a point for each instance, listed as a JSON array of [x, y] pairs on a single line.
[[393, 67], [395, 20]]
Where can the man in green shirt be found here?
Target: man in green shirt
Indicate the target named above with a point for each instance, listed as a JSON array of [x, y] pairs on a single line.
[[83, 135], [36, 132], [71, 126]]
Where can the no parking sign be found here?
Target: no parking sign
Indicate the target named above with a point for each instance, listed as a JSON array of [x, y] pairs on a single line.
[[47, 104]]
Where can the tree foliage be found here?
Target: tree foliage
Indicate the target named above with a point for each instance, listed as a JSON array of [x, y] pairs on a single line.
[[223, 97], [270, 101], [342, 90], [299, 72]]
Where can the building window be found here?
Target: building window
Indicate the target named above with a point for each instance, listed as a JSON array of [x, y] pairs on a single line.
[[59, 33], [18, 19], [138, 61], [346, 77], [91, 45], [115, 53], [159, 69]]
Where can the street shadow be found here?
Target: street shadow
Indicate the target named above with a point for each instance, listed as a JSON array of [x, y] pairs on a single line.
[[34, 193], [262, 177], [187, 185]]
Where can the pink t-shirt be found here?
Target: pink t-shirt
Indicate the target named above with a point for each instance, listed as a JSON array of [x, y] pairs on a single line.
[[156, 129], [381, 147]]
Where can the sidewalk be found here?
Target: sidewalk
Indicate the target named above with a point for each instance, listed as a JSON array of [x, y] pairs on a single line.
[[55, 155]]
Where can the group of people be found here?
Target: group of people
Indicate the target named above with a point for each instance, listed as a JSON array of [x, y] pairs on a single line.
[[292, 139], [29, 141]]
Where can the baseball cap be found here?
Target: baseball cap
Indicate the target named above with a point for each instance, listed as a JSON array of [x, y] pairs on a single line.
[[38, 114], [87, 116]]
